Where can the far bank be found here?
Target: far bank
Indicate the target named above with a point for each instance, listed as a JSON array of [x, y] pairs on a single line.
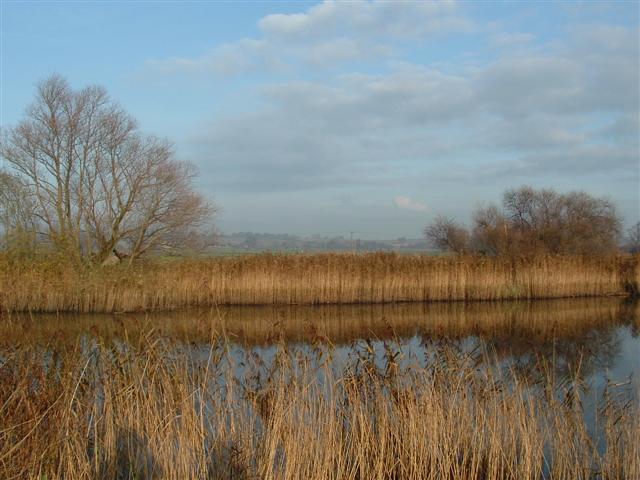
[[45, 285]]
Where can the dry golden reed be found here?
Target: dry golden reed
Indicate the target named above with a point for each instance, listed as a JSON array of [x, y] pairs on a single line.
[[155, 410], [308, 279]]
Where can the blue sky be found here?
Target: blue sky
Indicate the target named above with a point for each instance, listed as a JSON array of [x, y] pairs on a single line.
[[324, 118]]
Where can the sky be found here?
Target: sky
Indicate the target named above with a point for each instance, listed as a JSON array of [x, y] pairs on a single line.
[[372, 117]]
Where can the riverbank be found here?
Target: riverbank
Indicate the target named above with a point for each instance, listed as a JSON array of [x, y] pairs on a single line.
[[267, 279]]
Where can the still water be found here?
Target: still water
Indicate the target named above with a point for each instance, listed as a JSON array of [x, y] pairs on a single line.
[[591, 345], [555, 349], [594, 340]]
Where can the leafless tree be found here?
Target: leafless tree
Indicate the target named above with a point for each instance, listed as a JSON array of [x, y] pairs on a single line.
[[589, 225], [633, 238], [492, 232], [535, 221], [574, 222], [446, 234], [95, 181], [16, 211]]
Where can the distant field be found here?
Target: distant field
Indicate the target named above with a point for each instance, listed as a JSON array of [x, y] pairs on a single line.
[[307, 279]]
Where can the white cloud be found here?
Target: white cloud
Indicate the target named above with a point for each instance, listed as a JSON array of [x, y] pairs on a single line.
[[505, 39], [407, 203], [367, 18], [564, 111], [244, 56], [558, 113], [327, 34], [535, 114], [342, 50]]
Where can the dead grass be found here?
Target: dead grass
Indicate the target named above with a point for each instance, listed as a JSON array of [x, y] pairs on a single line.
[[154, 409], [308, 279]]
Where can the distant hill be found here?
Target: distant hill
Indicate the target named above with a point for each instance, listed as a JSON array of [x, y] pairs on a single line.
[[261, 242]]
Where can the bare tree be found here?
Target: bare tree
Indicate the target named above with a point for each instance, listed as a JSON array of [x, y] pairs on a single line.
[[444, 233], [16, 211], [545, 221], [589, 225], [536, 221], [95, 181], [492, 232], [633, 238], [574, 222]]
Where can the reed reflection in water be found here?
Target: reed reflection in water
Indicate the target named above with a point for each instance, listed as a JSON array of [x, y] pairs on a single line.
[[566, 318], [578, 336], [488, 390]]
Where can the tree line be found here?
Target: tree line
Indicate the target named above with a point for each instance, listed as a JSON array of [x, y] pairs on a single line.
[[84, 180], [542, 221]]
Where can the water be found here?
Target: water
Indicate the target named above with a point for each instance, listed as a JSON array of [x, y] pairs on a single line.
[[602, 330], [591, 346], [595, 341]]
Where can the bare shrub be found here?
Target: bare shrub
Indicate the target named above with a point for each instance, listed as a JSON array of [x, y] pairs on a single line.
[[633, 238], [444, 233], [570, 223], [535, 222]]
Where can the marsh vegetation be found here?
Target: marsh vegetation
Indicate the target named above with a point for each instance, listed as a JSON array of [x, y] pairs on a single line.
[[388, 391], [52, 286]]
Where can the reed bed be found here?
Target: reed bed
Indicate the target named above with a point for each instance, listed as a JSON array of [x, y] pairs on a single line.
[[308, 279], [155, 409]]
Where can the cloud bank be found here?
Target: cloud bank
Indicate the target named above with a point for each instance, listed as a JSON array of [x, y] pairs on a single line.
[[351, 98]]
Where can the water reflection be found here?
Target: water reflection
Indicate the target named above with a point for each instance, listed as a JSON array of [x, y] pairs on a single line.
[[592, 340], [567, 347], [510, 322]]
